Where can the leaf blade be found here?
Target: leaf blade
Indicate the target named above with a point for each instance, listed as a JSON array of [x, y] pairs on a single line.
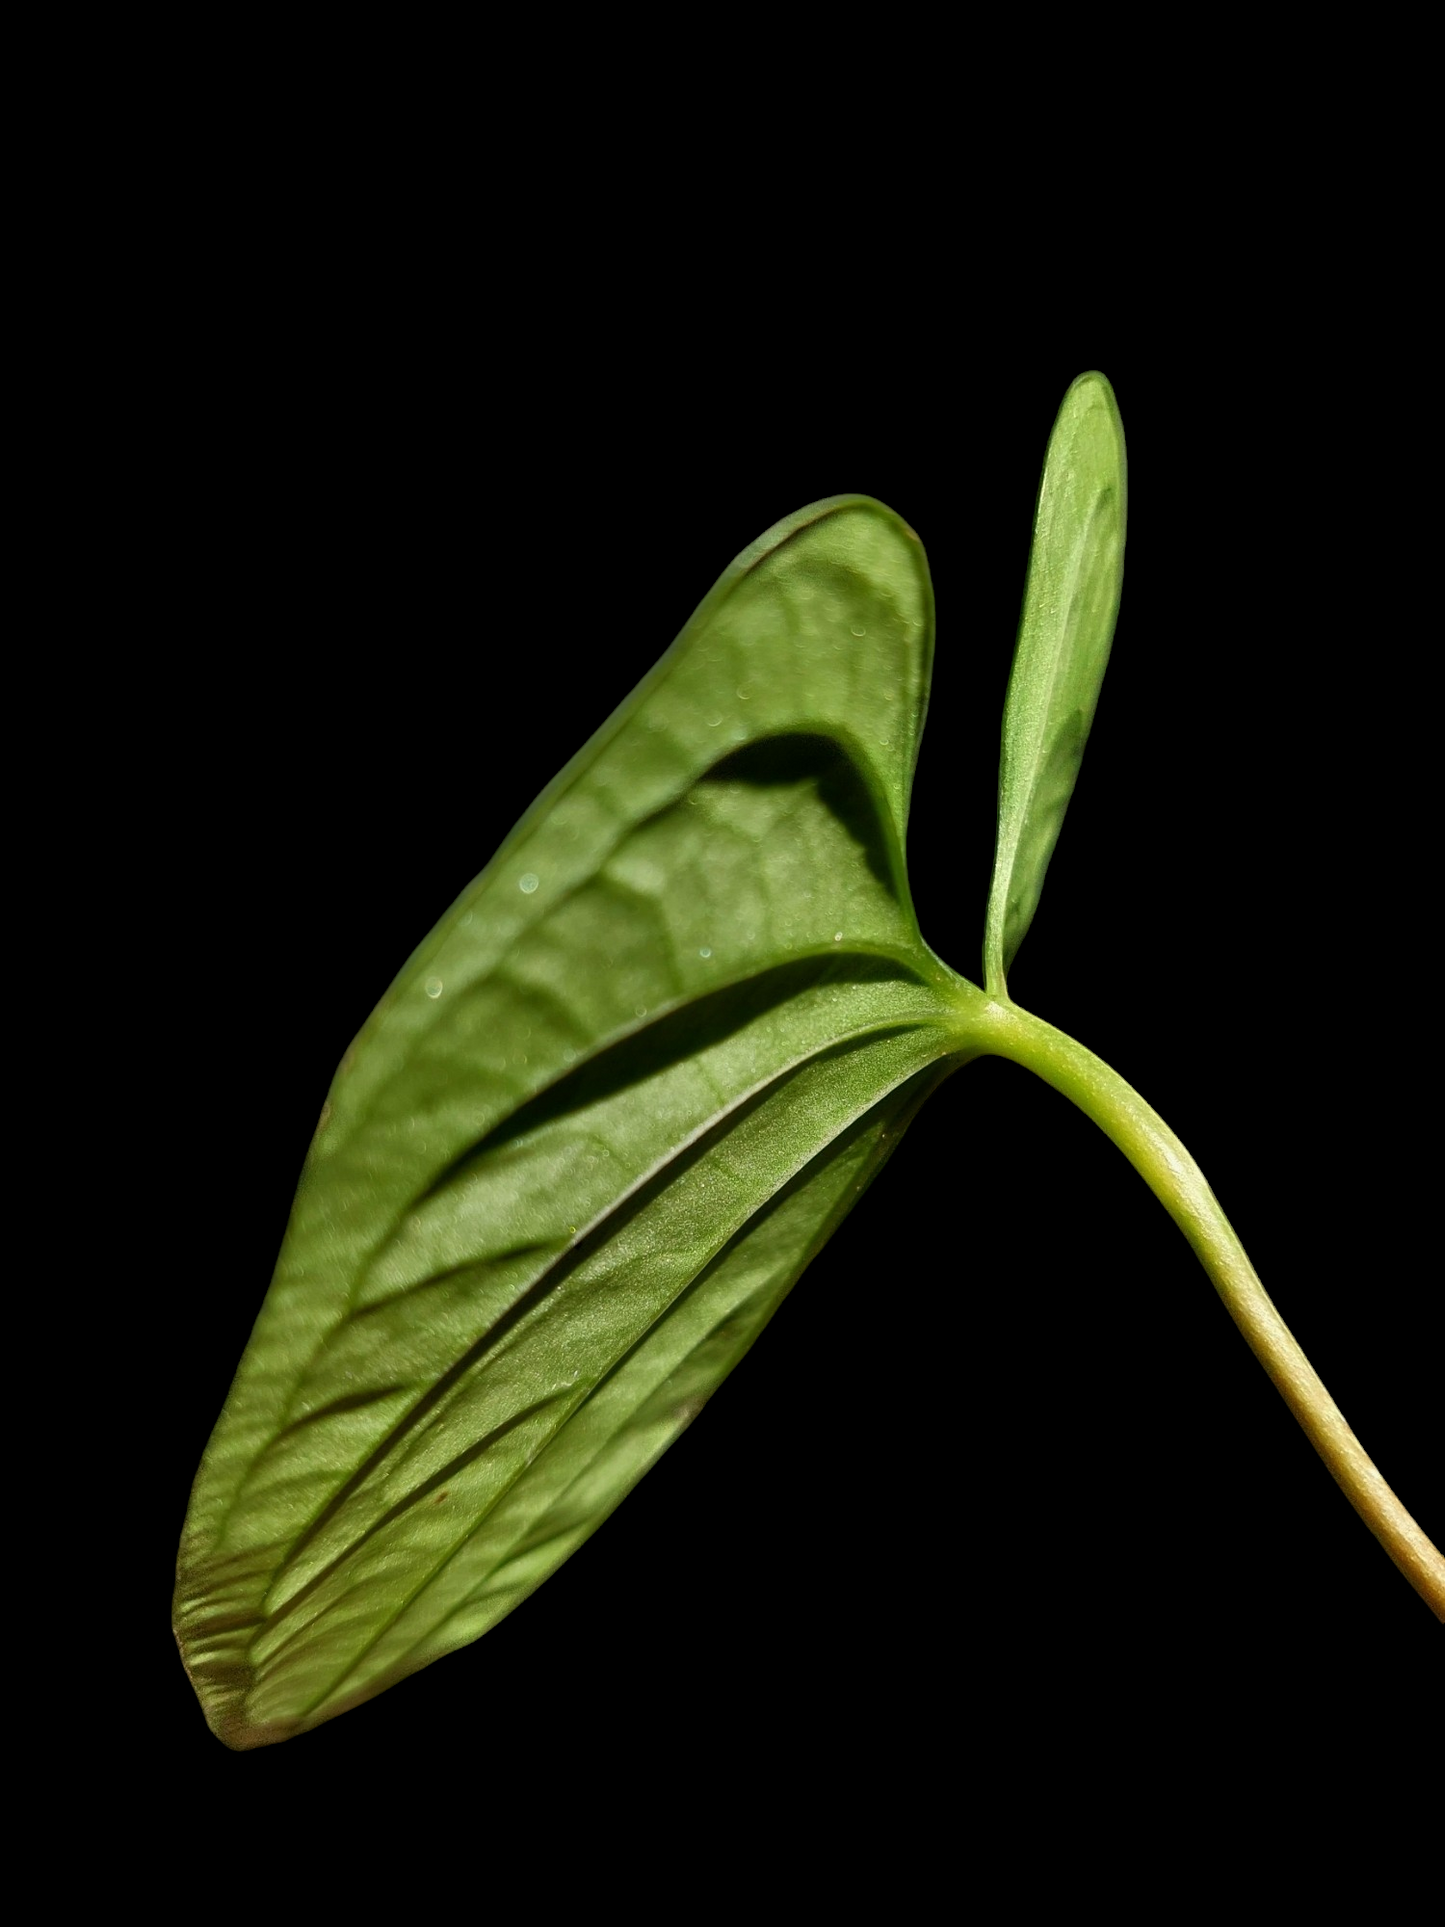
[[686, 977]]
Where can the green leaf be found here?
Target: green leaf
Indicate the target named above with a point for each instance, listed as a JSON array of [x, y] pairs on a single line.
[[586, 1142], [1071, 600]]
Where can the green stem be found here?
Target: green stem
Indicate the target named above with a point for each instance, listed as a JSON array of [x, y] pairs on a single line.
[[1004, 1030]]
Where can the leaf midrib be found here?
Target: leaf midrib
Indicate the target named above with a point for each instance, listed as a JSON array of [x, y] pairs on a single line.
[[593, 1236]]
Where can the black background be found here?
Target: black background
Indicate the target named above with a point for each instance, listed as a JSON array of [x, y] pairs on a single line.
[[1001, 1476]]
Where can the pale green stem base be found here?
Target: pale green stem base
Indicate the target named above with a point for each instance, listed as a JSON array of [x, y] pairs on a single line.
[[1003, 1030]]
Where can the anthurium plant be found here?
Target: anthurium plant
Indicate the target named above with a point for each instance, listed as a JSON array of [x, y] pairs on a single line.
[[621, 1097]]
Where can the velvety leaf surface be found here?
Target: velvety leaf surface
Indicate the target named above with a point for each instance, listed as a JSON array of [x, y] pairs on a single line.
[[586, 1142], [1071, 601]]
